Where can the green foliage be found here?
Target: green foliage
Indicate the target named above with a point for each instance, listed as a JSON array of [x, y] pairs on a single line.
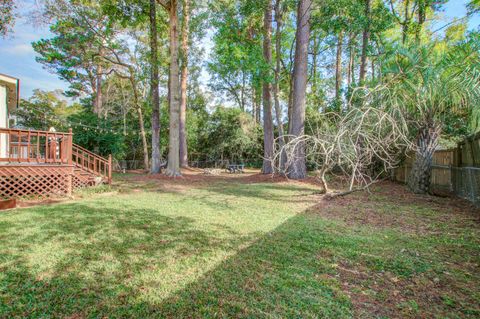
[[129, 13], [433, 85], [74, 51], [104, 45], [313, 120], [47, 109], [7, 16], [455, 33], [237, 62], [339, 15], [230, 134], [473, 6], [44, 110], [97, 134]]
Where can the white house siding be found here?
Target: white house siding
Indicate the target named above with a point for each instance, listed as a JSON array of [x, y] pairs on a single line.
[[3, 121]]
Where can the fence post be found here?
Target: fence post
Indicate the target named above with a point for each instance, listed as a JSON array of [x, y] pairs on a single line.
[[450, 169], [470, 179]]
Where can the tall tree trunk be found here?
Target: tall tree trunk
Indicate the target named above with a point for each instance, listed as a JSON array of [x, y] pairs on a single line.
[[141, 125], [154, 81], [276, 86], [267, 167], [406, 22], [298, 169], [290, 100], [351, 57], [254, 104], [365, 38], [141, 122], [290, 82], [98, 97], [421, 19], [258, 106], [373, 68], [97, 104], [183, 85], [242, 92], [427, 141], [124, 108], [144, 137], [338, 66], [173, 167], [314, 65]]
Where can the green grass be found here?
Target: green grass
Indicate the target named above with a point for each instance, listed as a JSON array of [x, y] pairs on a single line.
[[227, 249]]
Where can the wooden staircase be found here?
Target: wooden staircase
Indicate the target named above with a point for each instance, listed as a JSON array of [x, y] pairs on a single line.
[[89, 168]]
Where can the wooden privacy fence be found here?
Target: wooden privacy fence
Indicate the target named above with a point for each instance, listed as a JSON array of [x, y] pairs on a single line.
[[455, 170], [441, 175]]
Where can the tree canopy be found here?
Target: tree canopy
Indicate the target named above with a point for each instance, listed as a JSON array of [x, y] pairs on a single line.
[[214, 76]]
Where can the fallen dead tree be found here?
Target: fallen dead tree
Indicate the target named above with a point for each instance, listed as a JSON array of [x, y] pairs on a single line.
[[363, 144]]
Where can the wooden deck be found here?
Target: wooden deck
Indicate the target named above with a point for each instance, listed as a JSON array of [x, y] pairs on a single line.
[[44, 164], [26, 146]]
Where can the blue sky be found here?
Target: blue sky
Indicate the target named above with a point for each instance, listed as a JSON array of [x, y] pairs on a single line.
[[17, 57]]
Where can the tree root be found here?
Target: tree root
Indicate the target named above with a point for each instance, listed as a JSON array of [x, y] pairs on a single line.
[[173, 174], [333, 195]]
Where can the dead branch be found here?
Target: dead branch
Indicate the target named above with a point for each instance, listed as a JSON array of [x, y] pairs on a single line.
[[364, 144], [333, 195]]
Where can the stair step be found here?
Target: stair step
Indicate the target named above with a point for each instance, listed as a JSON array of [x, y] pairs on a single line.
[[90, 167]]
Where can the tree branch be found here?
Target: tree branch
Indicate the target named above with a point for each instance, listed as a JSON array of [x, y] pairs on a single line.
[[165, 4]]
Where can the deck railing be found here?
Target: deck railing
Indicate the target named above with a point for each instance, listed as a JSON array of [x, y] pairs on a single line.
[[29, 146]]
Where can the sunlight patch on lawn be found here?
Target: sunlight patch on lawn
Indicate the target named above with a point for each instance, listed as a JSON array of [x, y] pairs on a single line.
[[145, 245]]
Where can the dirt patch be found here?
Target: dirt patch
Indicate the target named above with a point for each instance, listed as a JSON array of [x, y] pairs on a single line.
[[37, 202], [384, 295], [391, 205], [449, 283]]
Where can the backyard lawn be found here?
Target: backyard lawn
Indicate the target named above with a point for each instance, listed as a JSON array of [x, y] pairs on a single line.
[[240, 246]]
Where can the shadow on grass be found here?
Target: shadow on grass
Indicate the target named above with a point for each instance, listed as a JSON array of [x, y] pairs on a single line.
[[73, 257], [105, 265], [87, 260], [140, 264], [281, 275]]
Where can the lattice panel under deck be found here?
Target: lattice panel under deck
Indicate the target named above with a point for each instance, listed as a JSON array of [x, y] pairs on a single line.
[[80, 181], [35, 181]]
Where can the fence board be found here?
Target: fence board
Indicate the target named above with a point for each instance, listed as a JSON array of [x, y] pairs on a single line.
[[456, 170]]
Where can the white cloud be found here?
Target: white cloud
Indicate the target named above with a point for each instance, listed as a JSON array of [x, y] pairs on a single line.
[[18, 49], [47, 82]]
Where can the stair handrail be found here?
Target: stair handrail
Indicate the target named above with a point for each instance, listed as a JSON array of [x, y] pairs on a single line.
[[84, 150], [78, 151]]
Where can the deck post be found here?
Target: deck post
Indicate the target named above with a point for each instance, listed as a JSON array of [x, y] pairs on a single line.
[[69, 147], [28, 146]]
